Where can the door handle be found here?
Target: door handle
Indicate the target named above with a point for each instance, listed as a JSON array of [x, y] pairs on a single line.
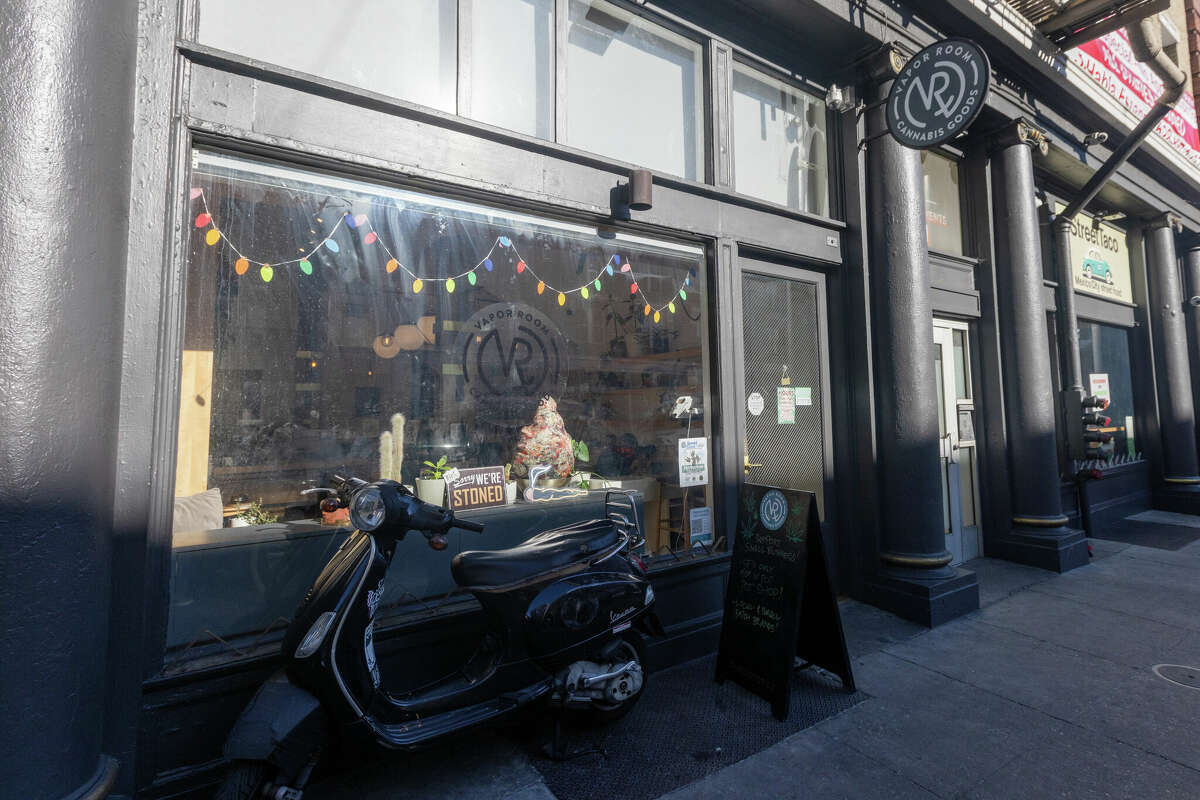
[[747, 466]]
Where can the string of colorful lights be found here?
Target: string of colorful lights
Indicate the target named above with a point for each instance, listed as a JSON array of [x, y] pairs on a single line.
[[362, 223]]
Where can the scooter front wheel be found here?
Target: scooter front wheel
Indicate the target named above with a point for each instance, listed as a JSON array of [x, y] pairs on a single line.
[[245, 780]]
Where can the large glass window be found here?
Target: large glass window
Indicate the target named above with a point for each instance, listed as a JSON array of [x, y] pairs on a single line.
[[402, 48], [1104, 358], [512, 65], [943, 206], [779, 143], [331, 321], [634, 90]]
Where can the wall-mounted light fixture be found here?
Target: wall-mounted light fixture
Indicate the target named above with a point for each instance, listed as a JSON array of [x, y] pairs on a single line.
[[641, 190], [1095, 138]]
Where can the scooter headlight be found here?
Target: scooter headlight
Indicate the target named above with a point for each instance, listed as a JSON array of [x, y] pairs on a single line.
[[367, 509]]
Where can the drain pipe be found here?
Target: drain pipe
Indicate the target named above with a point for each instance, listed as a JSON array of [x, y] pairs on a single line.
[[1145, 38]]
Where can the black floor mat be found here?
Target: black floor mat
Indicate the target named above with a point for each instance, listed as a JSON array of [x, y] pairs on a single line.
[[1150, 534], [685, 727]]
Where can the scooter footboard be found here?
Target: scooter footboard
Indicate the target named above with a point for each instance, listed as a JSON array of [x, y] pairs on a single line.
[[284, 724]]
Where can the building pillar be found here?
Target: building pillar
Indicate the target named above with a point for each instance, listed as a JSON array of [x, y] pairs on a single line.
[[1038, 535], [1191, 271], [66, 97], [915, 579], [1176, 414]]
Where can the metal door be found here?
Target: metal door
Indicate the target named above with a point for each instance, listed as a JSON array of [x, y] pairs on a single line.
[[785, 388]]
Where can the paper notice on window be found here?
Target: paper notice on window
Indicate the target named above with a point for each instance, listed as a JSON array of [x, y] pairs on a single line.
[[701, 525], [804, 395], [693, 461], [1099, 384], [786, 398]]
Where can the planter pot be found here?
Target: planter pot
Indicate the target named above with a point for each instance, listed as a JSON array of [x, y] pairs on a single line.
[[510, 492], [543, 483], [431, 491]]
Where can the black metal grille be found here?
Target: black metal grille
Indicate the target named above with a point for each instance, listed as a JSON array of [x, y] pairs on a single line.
[[781, 329]]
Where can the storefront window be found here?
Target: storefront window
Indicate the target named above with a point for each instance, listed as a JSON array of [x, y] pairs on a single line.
[[779, 143], [1104, 358], [403, 48], [943, 211], [330, 322], [512, 65], [633, 90]]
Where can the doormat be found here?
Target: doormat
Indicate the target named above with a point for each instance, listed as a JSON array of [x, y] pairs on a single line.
[[684, 727], [1150, 534]]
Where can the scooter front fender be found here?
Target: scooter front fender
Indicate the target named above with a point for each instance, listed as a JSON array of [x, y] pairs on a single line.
[[284, 724]]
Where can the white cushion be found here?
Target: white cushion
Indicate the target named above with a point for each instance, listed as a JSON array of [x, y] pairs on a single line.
[[198, 512]]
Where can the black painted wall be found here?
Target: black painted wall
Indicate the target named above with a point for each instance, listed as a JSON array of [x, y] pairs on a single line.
[[66, 87]]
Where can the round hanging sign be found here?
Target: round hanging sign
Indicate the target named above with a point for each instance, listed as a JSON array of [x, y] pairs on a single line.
[[938, 94]]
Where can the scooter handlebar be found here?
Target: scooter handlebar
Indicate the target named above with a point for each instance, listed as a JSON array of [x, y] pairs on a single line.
[[468, 526]]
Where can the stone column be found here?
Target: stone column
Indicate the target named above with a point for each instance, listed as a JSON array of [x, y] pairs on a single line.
[[1176, 414], [915, 579], [1191, 271], [1039, 535], [66, 97]]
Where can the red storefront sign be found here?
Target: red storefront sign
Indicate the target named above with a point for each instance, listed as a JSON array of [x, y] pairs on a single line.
[[1110, 62]]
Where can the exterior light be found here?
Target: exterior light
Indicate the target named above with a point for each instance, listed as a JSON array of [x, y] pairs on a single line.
[[641, 190]]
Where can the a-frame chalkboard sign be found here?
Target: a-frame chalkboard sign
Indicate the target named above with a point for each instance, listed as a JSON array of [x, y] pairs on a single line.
[[780, 602]]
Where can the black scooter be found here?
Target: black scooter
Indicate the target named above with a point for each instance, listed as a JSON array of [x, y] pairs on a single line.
[[566, 611]]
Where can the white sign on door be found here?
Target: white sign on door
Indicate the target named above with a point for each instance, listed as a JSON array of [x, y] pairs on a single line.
[[1099, 384], [755, 403]]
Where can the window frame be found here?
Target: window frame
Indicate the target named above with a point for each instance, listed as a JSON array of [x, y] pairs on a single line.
[[458, 602], [801, 86], [965, 234]]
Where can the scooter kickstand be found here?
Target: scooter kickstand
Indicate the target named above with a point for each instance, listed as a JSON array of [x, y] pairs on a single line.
[[557, 750]]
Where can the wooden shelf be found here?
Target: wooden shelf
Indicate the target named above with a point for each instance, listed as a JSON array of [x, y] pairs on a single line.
[[643, 389]]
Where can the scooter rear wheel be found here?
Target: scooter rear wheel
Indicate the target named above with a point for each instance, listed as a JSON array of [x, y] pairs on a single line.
[[627, 647], [245, 780]]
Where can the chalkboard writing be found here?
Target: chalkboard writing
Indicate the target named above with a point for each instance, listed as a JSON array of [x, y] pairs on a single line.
[[780, 601]]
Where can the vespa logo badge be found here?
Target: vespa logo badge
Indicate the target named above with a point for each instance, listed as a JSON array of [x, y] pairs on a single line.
[[773, 510], [938, 93]]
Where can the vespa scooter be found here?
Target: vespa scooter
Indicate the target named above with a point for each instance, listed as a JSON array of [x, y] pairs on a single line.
[[566, 613]]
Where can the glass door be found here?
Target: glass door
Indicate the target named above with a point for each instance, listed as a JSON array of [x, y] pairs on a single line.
[[785, 389], [956, 429]]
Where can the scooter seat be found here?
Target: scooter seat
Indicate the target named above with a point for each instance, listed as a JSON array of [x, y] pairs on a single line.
[[548, 551]]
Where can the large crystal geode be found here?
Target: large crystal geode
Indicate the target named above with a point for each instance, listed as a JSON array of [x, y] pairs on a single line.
[[545, 441]]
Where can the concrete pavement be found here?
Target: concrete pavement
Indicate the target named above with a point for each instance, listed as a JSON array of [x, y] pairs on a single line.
[[1046, 691]]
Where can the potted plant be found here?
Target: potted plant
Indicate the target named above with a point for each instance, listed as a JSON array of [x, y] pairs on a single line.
[[431, 485], [253, 514], [581, 478]]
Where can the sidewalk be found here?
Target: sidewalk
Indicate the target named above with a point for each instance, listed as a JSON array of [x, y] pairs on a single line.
[[1046, 691]]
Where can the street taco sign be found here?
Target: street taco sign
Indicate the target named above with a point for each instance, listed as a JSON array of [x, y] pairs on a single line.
[[1099, 259]]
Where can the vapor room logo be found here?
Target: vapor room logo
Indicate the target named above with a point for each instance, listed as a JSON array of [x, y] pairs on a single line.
[[938, 93]]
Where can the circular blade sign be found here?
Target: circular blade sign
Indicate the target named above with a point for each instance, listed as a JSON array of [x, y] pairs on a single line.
[[938, 94]]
